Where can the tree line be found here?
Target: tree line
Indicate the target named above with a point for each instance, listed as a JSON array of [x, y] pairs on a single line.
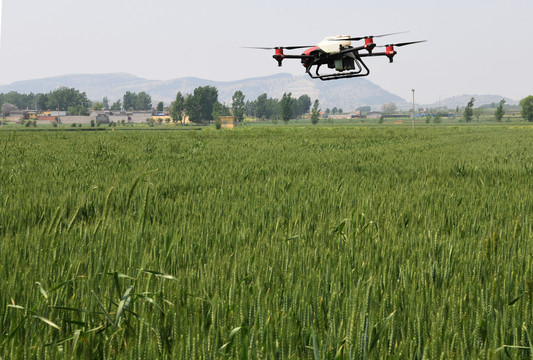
[[75, 102], [269, 108], [61, 99], [202, 105], [470, 112]]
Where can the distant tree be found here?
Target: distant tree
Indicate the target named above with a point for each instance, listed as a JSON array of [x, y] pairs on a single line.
[[193, 109], [116, 106], [220, 110], [78, 110], [138, 102], [249, 108], [468, 113], [274, 108], [209, 97], [527, 108], [334, 111], [21, 101], [42, 101], [261, 106], [177, 107], [143, 101], [339, 111], [238, 105], [315, 113], [7, 108], [328, 111], [199, 105], [389, 108], [62, 98], [129, 100], [500, 112], [105, 103], [301, 105], [364, 109], [160, 106], [286, 107], [478, 112], [97, 106]]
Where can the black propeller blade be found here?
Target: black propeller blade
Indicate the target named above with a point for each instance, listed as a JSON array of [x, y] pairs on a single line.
[[279, 47], [403, 44]]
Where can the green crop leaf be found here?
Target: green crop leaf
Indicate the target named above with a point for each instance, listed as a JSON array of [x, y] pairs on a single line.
[[41, 289], [48, 322]]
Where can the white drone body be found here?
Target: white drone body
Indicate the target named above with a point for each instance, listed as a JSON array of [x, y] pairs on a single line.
[[333, 44]]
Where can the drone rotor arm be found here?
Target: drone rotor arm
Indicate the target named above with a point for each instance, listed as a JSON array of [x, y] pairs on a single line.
[[297, 56]]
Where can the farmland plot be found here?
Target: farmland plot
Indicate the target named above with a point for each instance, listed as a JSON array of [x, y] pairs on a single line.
[[267, 243]]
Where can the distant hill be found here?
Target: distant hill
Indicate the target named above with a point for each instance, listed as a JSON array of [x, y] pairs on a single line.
[[462, 100], [346, 94]]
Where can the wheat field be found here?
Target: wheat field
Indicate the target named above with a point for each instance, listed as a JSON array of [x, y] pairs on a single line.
[[267, 243]]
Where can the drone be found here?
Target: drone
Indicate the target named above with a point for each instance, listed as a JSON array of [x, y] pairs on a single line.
[[338, 53]]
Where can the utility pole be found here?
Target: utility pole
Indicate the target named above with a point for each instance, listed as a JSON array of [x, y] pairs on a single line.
[[413, 108]]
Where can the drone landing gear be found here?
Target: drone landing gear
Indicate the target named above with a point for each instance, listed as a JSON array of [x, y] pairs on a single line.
[[334, 76], [362, 70]]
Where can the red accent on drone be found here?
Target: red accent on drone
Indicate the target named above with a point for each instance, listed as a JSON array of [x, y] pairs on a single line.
[[310, 50], [369, 44]]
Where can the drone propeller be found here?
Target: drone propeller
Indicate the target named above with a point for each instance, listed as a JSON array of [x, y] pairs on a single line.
[[389, 49], [279, 47], [357, 38], [403, 44]]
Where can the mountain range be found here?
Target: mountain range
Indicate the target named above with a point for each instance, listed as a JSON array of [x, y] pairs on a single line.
[[345, 94]]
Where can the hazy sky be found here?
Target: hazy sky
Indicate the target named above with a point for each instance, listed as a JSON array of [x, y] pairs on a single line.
[[474, 46]]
